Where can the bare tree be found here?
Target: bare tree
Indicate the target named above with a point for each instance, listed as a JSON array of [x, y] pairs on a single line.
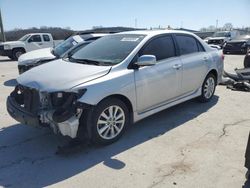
[[228, 26]]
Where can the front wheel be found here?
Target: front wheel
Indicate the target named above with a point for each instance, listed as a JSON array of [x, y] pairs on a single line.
[[17, 53], [208, 88], [109, 121]]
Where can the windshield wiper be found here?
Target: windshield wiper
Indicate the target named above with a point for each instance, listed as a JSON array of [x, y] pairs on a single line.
[[88, 61]]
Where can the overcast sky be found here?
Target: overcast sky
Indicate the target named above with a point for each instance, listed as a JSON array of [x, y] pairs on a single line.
[[84, 14]]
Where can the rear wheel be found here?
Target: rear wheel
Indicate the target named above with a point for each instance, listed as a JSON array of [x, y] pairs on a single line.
[[109, 121], [17, 53], [208, 88]]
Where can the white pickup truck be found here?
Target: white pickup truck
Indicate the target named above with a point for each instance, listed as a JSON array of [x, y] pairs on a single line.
[[27, 43]]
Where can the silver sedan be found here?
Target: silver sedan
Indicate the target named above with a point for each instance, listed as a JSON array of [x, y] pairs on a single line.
[[115, 81]]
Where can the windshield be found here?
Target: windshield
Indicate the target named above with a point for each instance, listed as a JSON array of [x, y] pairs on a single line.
[[64, 46], [24, 38], [221, 34], [109, 50]]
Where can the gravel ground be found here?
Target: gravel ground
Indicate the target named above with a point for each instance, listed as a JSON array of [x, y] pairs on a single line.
[[189, 145]]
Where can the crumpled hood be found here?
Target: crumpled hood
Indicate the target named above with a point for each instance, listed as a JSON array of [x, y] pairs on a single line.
[[217, 38], [31, 57], [60, 75]]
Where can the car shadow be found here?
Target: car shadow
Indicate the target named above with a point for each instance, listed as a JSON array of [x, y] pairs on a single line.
[[28, 159], [10, 83], [5, 60], [246, 184]]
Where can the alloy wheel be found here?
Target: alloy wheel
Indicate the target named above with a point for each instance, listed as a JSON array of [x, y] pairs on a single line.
[[111, 122], [209, 87]]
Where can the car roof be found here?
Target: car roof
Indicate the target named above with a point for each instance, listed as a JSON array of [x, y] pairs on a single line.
[[93, 35], [154, 32], [38, 33]]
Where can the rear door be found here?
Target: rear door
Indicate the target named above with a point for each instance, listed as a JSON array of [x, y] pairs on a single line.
[[47, 41], [195, 63], [159, 83]]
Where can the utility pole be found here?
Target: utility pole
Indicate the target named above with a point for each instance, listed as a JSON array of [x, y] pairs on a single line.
[[217, 21], [1, 27], [136, 23]]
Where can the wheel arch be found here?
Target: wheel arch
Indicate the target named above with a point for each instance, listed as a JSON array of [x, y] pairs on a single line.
[[21, 48], [215, 73], [125, 100]]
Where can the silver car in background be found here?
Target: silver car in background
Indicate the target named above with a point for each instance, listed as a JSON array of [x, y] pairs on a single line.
[[115, 81]]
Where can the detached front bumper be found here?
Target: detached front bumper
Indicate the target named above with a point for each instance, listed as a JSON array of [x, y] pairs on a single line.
[[58, 111], [20, 114]]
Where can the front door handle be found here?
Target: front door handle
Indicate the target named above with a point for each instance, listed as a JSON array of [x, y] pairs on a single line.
[[177, 66]]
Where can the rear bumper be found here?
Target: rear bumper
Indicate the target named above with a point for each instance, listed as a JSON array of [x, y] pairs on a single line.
[[20, 114], [5, 52]]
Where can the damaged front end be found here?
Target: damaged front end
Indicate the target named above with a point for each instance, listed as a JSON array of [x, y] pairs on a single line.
[[59, 110]]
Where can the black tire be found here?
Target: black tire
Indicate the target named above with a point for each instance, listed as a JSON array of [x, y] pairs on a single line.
[[203, 98], [95, 137], [16, 53], [247, 61], [10, 56]]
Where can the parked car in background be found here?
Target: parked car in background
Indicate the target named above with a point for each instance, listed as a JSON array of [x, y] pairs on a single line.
[[215, 46], [219, 38], [41, 56], [29, 42], [238, 45], [116, 80]]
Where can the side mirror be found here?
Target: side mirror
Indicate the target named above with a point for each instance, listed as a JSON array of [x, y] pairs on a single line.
[[30, 40], [146, 60]]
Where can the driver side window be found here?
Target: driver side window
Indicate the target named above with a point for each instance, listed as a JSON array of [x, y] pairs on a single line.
[[162, 48], [35, 38]]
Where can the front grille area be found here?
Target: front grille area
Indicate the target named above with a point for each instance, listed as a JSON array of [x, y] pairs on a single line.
[[1, 47]]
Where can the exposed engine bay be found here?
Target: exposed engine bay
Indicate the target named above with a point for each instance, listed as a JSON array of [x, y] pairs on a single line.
[[58, 110]]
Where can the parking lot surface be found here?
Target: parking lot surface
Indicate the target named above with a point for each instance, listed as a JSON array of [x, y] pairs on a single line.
[[189, 145]]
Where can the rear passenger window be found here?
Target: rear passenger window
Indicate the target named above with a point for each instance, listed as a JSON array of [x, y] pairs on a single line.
[[46, 38], [161, 48], [187, 44]]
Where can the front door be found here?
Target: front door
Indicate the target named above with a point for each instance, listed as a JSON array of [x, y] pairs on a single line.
[[157, 84], [34, 43]]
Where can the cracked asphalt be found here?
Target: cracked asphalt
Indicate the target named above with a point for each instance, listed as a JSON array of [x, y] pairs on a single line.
[[189, 145]]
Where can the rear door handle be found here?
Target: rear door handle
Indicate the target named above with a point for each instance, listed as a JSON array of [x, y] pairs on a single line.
[[177, 66], [40, 44]]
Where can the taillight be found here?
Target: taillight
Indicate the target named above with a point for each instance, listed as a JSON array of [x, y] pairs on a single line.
[[222, 57]]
